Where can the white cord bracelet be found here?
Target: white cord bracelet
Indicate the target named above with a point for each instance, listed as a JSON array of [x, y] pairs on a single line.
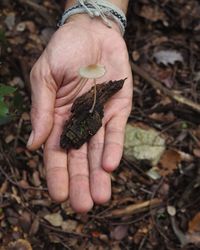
[[97, 8]]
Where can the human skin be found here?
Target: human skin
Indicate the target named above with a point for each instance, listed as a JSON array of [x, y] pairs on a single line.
[[81, 175]]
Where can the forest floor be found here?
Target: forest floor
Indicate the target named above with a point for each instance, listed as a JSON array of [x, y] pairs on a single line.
[[145, 213]]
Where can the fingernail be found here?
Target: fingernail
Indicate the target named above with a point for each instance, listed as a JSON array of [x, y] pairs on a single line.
[[30, 140]]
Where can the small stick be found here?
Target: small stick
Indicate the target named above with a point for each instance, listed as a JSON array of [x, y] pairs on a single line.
[[40, 9], [95, 97], [158, 85], [136, 208]]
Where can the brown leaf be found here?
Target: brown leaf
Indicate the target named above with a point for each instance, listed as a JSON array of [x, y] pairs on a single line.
[[153, 14], [69, 225], [119, 232], [19, 244], [35, 226], [54, 219], [169, 162], [25, 221], [194, 224], [196, 152], [169, 117], [140, 234]]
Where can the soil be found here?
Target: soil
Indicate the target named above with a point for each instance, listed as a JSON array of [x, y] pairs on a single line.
[[163, 38]]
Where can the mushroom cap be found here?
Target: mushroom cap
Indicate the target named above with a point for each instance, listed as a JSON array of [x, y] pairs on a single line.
[[92, 71]]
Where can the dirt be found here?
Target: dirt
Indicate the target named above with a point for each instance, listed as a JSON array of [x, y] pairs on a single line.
[[163, 39]]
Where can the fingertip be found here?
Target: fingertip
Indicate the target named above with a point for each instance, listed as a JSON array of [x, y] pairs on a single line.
[[111, 160], [82, 208], [57, 182], [59, 196], [100, 186], [80, 197]]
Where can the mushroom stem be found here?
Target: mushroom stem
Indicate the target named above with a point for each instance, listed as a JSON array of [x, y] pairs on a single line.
[[95, 97]]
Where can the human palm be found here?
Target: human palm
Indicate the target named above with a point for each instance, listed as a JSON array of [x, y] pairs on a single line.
[[81, 174]]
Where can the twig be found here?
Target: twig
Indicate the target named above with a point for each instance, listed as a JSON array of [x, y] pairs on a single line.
[[44, 224], [41, 11], [19, 126], [14, 182], [179, 234], [17, 184], [158, 86], [136, 208]]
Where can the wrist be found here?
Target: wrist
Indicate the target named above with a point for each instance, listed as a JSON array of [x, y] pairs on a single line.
[[122, 4], [94, 24], [110, 14]]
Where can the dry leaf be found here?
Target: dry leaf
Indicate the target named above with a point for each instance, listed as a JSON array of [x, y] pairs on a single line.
[[143, 144], [153, 14], [20, 244], [170, 161], [196, 152], [9, 138], [69, 225], [55, 219], [194, 224], [119, 232], [167, 57], [169, 117]]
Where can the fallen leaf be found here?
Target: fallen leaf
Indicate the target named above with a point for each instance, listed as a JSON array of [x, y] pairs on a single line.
[[135, 55], [169, 117], [194, 238], [9, 138], [119, 232], [20, 244], [25, 221], [35, 226], [153, 173], [194, 224], [167, 57], [140, 234], [196, 152], [152, 13], [54, 219], [36, 179], [69, 225], [170, 160], [143, 144], [10, 20]]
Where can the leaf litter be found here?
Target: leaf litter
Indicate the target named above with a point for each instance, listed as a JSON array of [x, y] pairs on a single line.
[[139, 202]]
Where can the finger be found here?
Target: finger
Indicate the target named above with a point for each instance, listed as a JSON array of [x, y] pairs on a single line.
[[114, 140], [100, 183], [55, 160], [80, 197], [43, 98]]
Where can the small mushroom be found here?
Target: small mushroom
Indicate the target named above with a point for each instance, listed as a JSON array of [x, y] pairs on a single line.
[[92, 71]]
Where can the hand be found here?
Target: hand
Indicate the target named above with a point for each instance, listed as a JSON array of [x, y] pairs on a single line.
[[82, 174]]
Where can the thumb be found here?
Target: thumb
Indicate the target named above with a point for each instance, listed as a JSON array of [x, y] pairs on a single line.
[[43, 88]]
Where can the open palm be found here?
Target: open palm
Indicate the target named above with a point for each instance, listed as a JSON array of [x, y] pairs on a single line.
[[81, 174]]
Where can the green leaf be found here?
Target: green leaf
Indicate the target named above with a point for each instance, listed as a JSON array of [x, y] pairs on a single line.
[[6, 90], [17, 101], [3, 109], [5, 120]]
